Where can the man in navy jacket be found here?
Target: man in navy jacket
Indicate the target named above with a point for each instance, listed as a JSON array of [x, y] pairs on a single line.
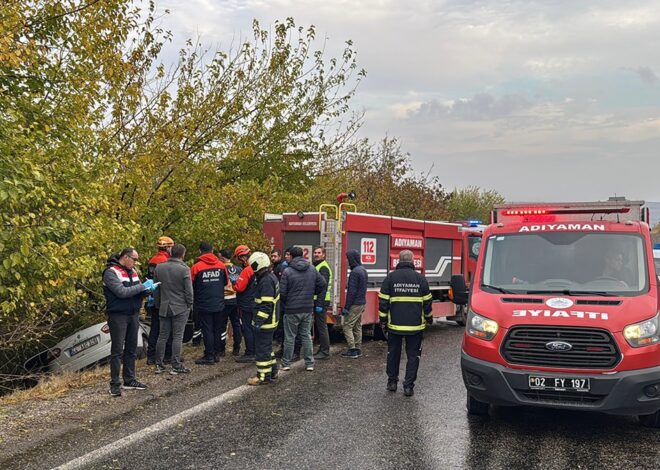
[[356, 299]]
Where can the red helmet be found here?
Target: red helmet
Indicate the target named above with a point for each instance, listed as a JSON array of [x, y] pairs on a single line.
[[241, 250]]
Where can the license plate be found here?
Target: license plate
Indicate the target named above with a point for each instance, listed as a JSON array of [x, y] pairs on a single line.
[[559, 384], [88, 343]]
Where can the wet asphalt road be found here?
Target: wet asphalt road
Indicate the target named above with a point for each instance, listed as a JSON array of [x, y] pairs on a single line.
[[341, 416]]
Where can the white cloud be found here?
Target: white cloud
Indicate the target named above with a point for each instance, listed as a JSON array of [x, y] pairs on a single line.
[[523, 96]]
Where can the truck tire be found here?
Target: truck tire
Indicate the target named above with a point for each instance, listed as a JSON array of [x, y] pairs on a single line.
[[476, 407], [650, 421]]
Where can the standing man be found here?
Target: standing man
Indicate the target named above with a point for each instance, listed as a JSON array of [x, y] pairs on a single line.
[[230, 303], [279, 264], [404, 310], [300, 285], [266, 317], [174, 300], [356, 299], [246, 287], [320, 321], [164, 245], [210, 278], [123, 296]]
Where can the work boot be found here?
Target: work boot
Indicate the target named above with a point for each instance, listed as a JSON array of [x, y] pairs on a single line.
[[408, 391], [391, 385], [205, 361], [151, 361], [321, 356], [236, 352], [218, 355], [256, 381]]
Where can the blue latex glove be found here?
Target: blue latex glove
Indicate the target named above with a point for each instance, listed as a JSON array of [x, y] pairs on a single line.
[[344, 311], [319, 309], [148, 285]]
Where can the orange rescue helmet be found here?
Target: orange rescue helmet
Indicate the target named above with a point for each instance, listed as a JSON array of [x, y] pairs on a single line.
[[164, 242], [241, 250]]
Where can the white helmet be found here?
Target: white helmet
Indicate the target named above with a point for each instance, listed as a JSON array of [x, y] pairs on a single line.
[[258, 261]]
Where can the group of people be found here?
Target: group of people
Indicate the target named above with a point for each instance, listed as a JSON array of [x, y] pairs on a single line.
[[266, 298]]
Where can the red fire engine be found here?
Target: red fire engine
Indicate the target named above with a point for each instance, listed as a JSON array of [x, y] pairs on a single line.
[[564, 311], [441, 249]]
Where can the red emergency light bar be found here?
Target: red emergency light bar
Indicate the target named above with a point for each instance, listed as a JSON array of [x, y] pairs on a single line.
[[619, 210]]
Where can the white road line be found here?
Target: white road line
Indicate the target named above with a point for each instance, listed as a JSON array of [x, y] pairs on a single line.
[[163, 425]]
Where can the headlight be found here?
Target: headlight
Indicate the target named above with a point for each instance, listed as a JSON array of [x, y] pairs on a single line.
[[645, 333], [481, 327]]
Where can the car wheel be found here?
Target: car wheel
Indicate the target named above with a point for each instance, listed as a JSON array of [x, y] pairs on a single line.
[[142, 351], [476, 407], [650, 421]]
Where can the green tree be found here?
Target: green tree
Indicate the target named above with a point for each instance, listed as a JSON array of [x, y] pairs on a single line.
[[473, 203]]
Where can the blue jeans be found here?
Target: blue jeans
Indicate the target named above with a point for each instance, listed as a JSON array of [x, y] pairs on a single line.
[[298, 324]]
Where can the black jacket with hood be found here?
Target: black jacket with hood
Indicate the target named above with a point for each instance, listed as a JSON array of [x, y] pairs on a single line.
[[299, 284], [356, 289]]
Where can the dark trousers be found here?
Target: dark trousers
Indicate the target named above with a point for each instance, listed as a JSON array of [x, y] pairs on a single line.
[[214, 329], [321, 328], [265, 358], [154, 329], [248, 331], [123, 334], [232, 312], [413, 352]]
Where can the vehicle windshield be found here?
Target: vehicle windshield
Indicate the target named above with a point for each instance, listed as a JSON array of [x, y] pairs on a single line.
[[565, 263]]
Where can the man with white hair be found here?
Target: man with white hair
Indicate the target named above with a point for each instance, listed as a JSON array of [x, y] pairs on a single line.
[[404, 310]]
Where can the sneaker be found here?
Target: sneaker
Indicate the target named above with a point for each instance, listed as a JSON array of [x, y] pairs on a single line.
[[358, 351], [391, 385], [205, 361], [408, 391], [256, 381], [151, 361], [179, 370], [134, 385], [350, 354], [245, 359], [309, 368], [115, 390], [159, 369], [285, 368], [321, 356]]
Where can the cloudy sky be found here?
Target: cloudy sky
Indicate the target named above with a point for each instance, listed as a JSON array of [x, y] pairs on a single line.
[[537, 99]]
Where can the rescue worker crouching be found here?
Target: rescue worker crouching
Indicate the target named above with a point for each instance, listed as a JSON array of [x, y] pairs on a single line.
[[265, 321], [404, 309]]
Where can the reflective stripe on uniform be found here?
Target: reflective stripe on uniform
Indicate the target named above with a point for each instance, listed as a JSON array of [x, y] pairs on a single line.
[[405, 328], [428, 297], [407, 299], [382, 314], [383, 296], [261, 314]]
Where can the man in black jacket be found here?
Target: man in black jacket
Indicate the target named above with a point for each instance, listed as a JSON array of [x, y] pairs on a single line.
[[300, 283], [210, 278], [404, 309], [356, 299], [123, 295]]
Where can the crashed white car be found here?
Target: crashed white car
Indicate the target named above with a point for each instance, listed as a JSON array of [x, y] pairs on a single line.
[[83, 349]]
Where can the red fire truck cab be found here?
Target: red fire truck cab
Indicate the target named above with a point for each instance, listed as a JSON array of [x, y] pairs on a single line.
[[437, 246], [563, 311]]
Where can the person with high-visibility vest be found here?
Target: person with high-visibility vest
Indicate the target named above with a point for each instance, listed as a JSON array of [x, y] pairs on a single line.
[[404, 309], [266, 300], [320, 321]]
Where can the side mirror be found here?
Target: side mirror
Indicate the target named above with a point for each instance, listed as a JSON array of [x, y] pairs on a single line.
[[458, 291]]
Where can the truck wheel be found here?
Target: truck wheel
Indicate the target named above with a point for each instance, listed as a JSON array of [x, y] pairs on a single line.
[[476, 407], [461, 316], [650, 421]]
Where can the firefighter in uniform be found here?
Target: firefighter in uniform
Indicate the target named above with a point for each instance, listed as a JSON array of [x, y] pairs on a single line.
[[265, 321], [404, 309]]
